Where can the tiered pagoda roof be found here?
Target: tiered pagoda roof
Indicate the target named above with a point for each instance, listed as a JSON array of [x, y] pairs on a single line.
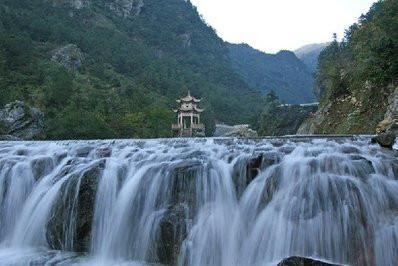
[[188, 99], [188, 104]]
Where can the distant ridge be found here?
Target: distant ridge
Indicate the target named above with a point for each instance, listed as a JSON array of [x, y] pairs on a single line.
[[283, 72]]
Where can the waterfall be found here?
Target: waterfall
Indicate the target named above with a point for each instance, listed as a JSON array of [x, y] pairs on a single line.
[[198, 202]]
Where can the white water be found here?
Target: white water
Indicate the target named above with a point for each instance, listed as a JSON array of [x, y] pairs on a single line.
[[333, 200]]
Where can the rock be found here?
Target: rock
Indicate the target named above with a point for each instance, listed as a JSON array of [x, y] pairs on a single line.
[[253, 168], [21, 122], [186, 40], [83, 151], [77, 215], [79, 4], [125, 8], [172, 232], [172, 228], [239, 131], [76, 4], [390, 122], [386, 140], [41, 167], [9, 138], [104, 152], [299, 261], [70, 56]]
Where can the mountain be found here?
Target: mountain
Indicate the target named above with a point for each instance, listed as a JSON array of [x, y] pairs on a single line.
[[113, 68], [309, 54], [282, 72], [357, 81]]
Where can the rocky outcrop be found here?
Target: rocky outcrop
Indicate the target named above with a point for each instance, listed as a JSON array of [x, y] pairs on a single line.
[[390, 122], [309, 126], [125, 8], [70, 56], [299, 261], [121, 8], [186, 40], [76, 4], [239, 131], [387, 130], [19, 121]]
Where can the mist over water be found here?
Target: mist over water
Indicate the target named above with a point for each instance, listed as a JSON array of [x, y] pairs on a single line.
[[198, 202]]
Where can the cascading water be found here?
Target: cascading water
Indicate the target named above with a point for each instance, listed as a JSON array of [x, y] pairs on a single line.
[[203, 202]]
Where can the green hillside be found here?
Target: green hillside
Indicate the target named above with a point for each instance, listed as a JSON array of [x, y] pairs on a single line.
[[113, 68], [357, 79]]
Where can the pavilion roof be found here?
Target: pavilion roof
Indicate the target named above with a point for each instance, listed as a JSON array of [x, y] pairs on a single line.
[[188, 109], [189, 98]]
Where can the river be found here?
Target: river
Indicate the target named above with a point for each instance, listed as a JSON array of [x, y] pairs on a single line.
[[198, 202]]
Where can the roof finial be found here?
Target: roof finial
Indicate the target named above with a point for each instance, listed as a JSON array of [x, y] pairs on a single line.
[[189, 93]]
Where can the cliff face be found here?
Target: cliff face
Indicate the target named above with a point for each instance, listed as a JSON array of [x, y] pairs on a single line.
[[348, 114], [19, 121], [357, 79]]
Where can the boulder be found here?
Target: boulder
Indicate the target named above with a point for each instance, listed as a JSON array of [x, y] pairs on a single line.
[[74, 207], [386, 140], [19, 121], [171, 234], [299, 261], [239, 131], [70, 56]]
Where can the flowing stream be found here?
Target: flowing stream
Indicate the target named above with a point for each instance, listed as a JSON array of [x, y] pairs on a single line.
[[198, 202]]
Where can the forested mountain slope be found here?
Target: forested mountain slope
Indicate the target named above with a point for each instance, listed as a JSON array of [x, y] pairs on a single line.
[[309, 54], [113, 68], [357, 79], [283, 73]]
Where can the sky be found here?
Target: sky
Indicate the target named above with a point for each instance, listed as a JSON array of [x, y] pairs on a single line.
[[273, 25]]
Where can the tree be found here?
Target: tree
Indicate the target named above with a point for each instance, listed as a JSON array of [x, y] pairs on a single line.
[[268, 119], [59, 89]]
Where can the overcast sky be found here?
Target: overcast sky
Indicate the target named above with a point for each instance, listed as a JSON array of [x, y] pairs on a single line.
[[273, 25]]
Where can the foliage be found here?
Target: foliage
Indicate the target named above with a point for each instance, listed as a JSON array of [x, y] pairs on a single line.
[[368, 54], [356, 77], [133, 68], [278, 120], [268, 120]]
